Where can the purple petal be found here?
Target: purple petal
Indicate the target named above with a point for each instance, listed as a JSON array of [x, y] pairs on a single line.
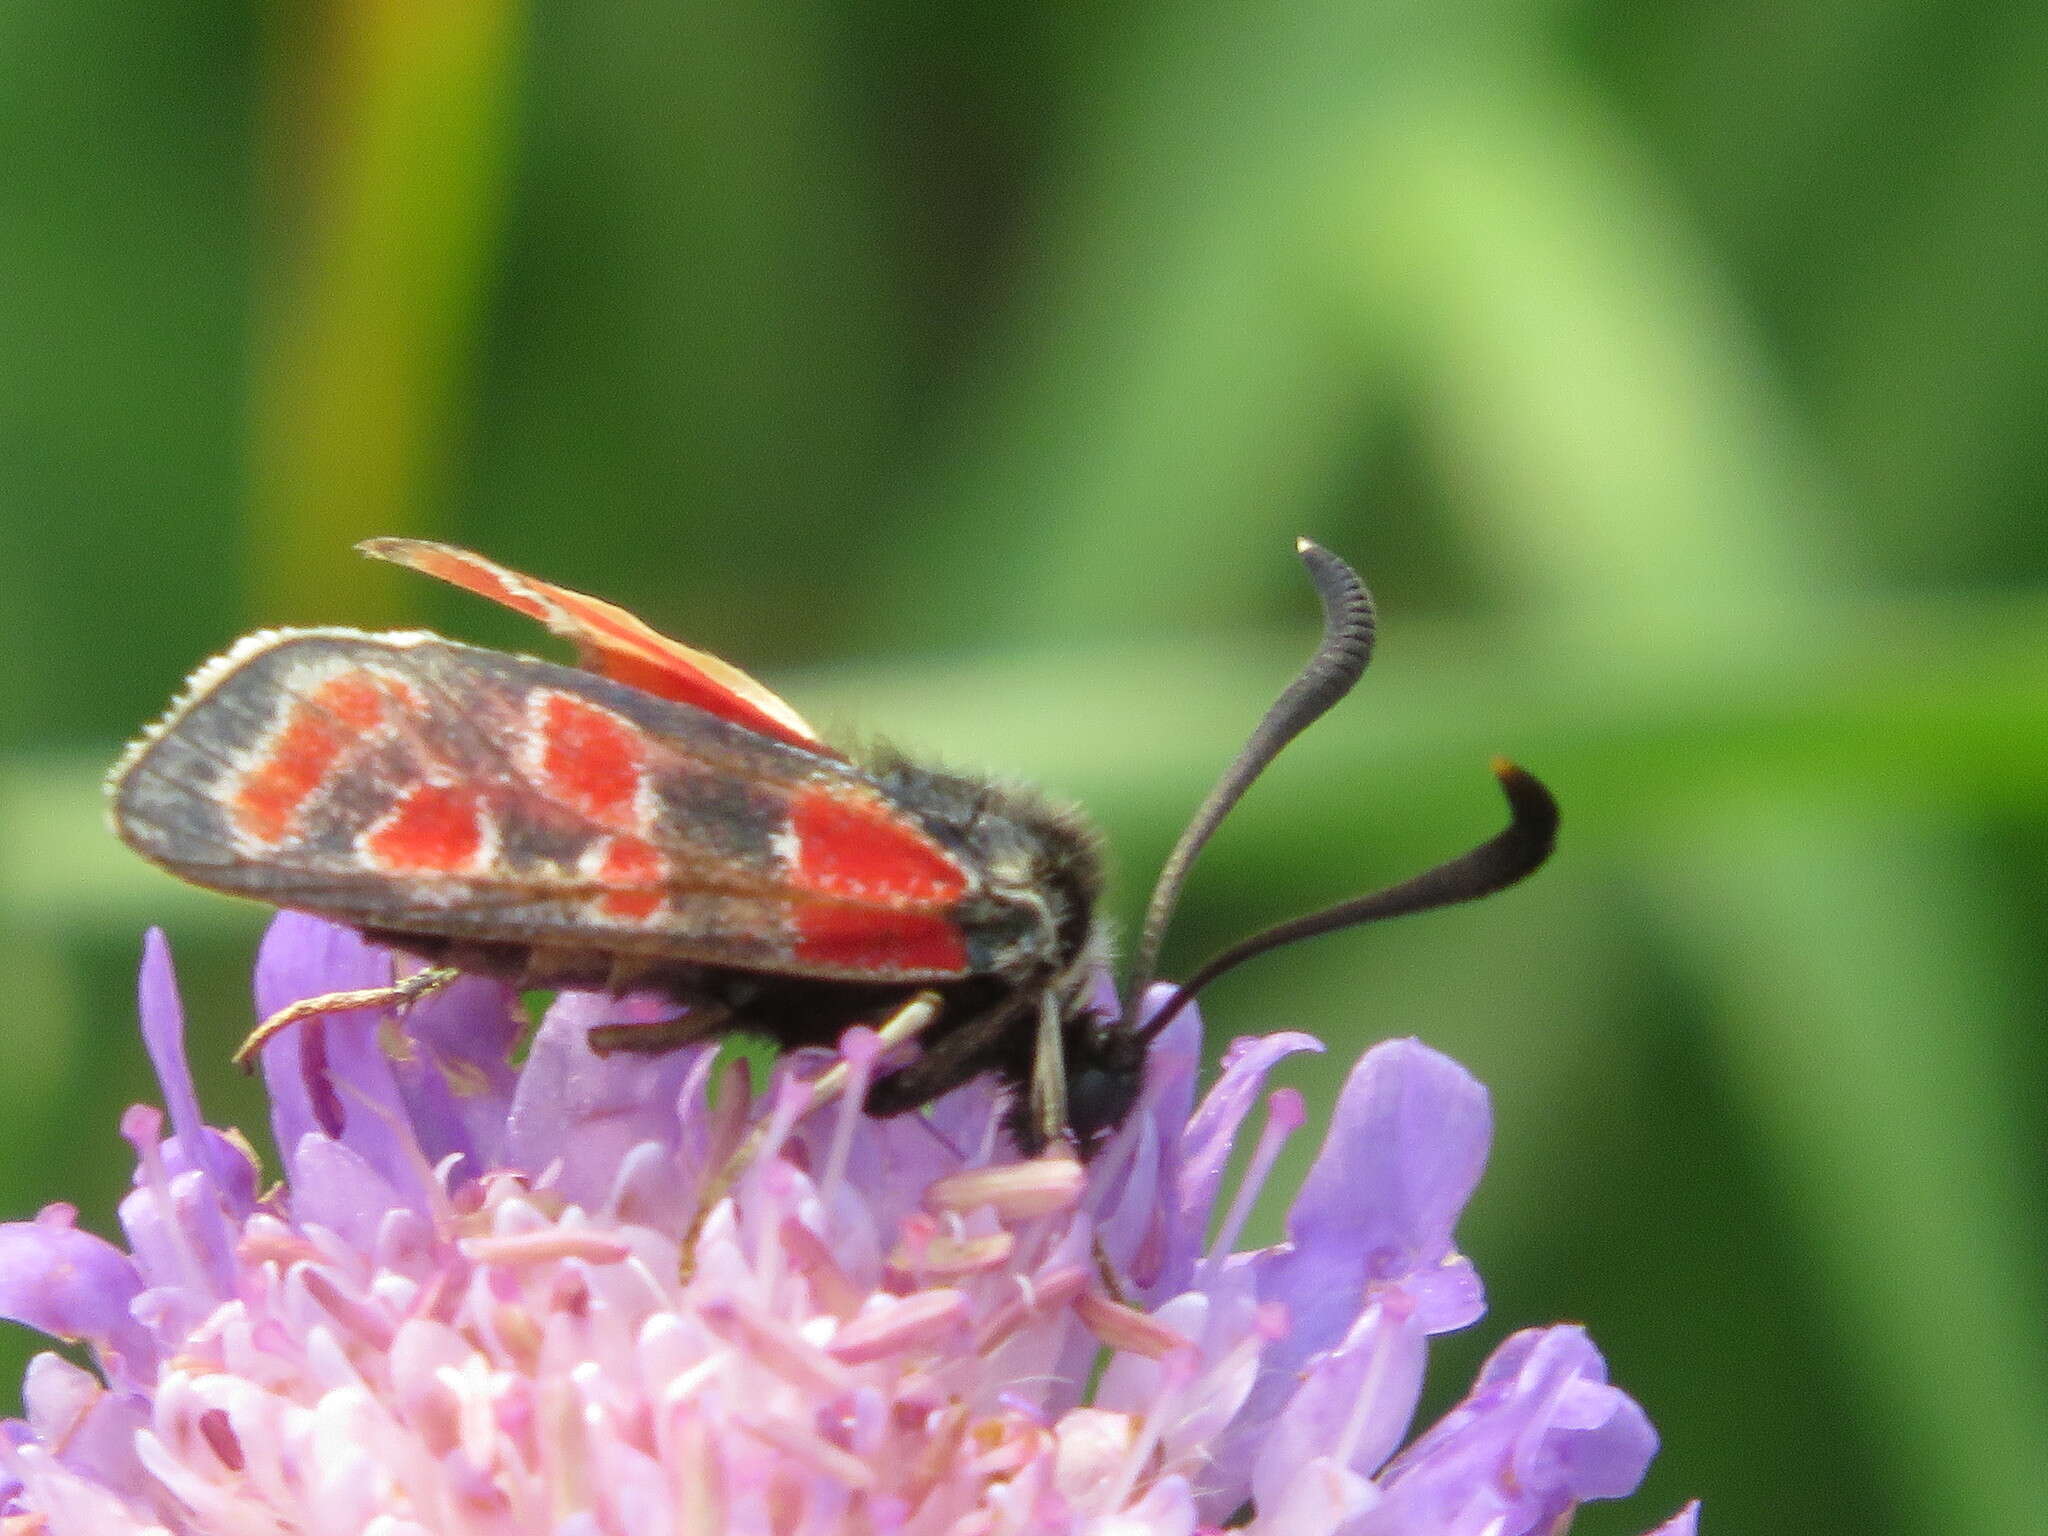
[[1172, 1063], [962, 1120], [303, 957], [334, 1186], [92, 1429], [182, 1238], [1352, 1407], [1405, 1150], [73, 1285], [458, 1079], [14, 1433], [163, 1036], [1324, 1498], [1131, 1193], [1603, 1442], [330, 1075], [588, 1111], [1131, 1216], [1541, 1432], [1403, 1155], [1167, 1508], [1374, 1216]]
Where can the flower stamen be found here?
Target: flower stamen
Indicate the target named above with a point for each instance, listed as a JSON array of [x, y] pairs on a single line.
[[859, 1048], [1285, 1113]]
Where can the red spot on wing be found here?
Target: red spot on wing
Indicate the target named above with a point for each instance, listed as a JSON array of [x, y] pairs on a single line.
[[857, 939], [863, 850], [434, 829], [635, 868], [319, 729], [589, 759], [885, 887]]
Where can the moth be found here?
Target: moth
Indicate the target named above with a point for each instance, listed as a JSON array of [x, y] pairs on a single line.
[[655, 819]]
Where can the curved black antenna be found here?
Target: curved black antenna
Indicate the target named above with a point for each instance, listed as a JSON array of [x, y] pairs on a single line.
[[1346, 648], [1496, 864]]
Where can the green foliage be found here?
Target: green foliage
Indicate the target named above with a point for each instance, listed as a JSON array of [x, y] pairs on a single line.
[[1674, 373]]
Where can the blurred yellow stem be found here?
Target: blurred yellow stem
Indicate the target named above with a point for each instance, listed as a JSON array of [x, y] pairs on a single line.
[[385, 142]]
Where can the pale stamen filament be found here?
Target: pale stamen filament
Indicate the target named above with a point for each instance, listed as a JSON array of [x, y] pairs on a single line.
[[1285, 1113]]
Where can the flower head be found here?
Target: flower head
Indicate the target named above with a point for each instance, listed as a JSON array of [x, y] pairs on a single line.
[[466, 1308]]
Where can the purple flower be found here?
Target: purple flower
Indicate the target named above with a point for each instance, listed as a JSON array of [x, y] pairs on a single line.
[[466, 1308]]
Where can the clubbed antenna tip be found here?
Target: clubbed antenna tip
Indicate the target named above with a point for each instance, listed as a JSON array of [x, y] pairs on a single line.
[[1510, 855]]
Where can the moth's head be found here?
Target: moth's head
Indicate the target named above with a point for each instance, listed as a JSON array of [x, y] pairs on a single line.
[[1105, 1065], [1102, 1070]]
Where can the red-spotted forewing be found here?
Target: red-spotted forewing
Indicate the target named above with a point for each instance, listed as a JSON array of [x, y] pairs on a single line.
[[403, 781]]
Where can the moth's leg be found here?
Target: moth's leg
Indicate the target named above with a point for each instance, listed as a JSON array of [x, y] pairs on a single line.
[[698, 1022], [1112, 1283], [401, 993], [906, 1023], [954, 1058], [1049, 1073], [1049, 1114]]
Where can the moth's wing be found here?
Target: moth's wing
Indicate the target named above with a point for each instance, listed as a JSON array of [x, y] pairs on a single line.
[[611, 641], [408, 783]]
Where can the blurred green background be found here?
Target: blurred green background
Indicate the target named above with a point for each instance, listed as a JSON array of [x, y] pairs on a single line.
[[1674, 372]]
